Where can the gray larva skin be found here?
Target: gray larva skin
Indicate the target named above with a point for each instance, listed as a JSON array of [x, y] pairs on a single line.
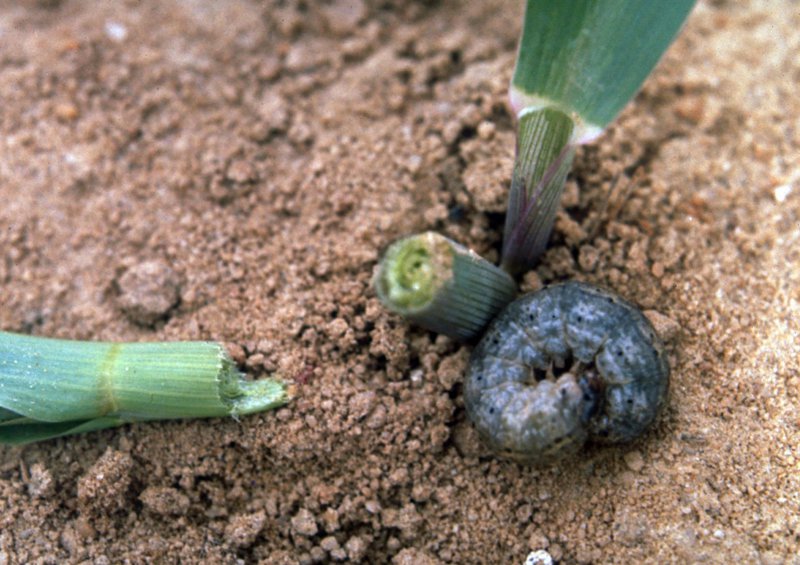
[[619, 383]]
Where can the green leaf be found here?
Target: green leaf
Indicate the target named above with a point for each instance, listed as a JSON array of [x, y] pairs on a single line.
[[52, 387], [22, 433], [589, 57]]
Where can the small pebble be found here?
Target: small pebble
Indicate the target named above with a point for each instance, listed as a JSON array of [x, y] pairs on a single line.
[[116, 31], [236, 352], [666, 328], [40, 484], [241, 171], [303, 523], [634, 461], [413, 556], [782, 192], [356, 548], [103, 486], [539, 557], [242, 530], [273, 111], [342, 16], [486, 130], [148, 291], [66, 112], [329, 544], [165, 501], [588, 257]]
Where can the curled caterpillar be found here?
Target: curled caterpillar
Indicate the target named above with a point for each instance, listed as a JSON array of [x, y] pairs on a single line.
[[559, 366]]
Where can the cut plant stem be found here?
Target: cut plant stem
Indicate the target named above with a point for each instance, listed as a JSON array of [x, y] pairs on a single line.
[[53, 387], [442, 286], [545, 150]]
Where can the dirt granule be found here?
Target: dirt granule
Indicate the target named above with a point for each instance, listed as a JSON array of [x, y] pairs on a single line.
[[259, 157]]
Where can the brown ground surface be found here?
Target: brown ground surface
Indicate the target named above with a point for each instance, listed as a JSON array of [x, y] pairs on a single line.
[[238, 167]]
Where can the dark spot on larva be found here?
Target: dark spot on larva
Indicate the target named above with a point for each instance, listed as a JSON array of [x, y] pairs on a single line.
[[491, 410], [610, 300], [580, 319], [619, 353], [480, 377]]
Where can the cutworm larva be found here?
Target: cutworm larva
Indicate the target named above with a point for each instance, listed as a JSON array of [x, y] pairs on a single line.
[[565, 364]]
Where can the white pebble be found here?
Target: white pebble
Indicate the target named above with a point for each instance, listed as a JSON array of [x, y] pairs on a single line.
[[782, 192], [539, 557], [116, 31]]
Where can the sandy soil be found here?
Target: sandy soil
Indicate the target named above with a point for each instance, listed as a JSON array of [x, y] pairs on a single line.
[[230, 170]]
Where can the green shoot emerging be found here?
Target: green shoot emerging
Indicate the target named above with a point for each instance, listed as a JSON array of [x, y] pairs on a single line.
[[51, 387], [582, 61], [442, 286], [544, 155]]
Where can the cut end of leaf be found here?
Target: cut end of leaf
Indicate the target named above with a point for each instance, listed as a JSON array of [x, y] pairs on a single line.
[[248, 397], [412, 272], [442, 286]]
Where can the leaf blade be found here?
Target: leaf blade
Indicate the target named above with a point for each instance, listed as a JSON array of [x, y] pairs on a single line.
[[589, 58]]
